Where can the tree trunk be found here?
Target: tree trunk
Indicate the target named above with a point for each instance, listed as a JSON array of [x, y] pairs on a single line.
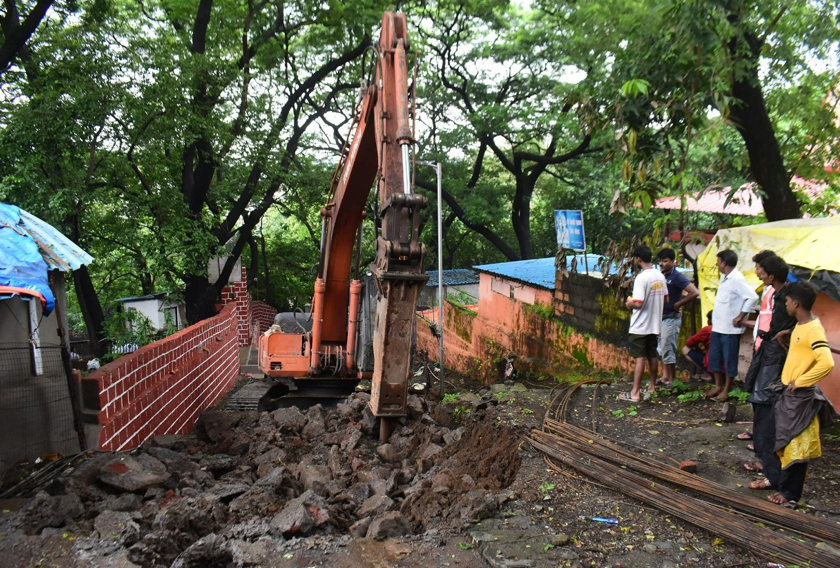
[[752, 121], [91, 311]]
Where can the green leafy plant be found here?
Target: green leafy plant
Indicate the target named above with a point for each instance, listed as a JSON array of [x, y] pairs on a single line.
[[500, 395], [739, 395], [460, 411], [545, 311], [527, 411], [691, 396], [451, 397], [679, 387], [547, 488], [465, 545]]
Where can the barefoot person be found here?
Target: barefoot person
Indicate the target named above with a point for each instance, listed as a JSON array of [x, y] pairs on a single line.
[[650, 292], [801, 407], [680, 293], [734, 300], [766, 368]]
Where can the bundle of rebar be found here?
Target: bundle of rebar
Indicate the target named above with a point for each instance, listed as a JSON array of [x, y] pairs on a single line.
[[731, 515], [721, 521]]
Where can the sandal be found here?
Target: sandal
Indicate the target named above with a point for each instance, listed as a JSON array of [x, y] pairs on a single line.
[[627, 397], [744, 436], [754, 467], [760, 484], [777, 499]]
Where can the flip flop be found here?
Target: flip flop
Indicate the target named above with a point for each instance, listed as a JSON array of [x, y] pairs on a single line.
[[760, 484], [627, 397], [751, 447], [664, 383], [745, 436]]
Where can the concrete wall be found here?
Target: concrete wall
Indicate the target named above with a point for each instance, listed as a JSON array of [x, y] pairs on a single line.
[[163, 387], [514, 318]]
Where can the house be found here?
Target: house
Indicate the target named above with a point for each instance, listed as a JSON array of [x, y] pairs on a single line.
[[36, 411], [159, 308]]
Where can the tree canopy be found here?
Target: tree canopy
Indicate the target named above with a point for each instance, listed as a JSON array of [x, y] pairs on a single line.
[[161, 134]]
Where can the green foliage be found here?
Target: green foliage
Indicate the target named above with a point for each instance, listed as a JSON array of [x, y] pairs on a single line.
[[547, 488], [739, 395], [129, 329], [465, 545], [544, 311], [691, 396], [451, 397]]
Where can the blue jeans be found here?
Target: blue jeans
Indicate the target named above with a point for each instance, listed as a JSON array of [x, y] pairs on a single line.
[[668, 335], [723, 353]]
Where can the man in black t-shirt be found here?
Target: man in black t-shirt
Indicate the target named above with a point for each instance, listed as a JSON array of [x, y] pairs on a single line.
[[680, 293]]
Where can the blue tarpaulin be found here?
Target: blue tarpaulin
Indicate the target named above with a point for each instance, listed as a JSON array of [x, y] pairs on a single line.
[[29, 248]]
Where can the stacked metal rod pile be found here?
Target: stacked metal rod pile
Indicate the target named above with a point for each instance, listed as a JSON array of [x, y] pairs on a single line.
[[734, 516]]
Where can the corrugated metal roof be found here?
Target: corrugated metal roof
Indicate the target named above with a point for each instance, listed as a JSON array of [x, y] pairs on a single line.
[[743, 202], [537, 271], [146, 297], [453, 277], [59, 252]]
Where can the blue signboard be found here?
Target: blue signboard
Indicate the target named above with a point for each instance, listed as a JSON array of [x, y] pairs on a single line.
[[569, 227]]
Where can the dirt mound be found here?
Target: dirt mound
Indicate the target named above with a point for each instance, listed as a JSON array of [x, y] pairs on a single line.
[[466, 487]]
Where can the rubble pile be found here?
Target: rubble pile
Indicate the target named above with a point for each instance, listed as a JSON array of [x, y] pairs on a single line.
[[244, 486]]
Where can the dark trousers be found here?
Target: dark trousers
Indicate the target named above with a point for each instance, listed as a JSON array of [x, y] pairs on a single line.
[[792, 480], [764, 440]]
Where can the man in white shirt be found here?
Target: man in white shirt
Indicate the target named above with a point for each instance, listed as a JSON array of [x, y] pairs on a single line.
[[650, 292], [735, 299]]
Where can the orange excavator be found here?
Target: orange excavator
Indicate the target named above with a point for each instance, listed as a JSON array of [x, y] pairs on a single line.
[[362, 328]]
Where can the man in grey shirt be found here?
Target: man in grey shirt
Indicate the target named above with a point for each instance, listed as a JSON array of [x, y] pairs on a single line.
[[735, 299]]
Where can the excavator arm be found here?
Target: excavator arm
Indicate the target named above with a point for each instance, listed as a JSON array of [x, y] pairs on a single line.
[[379, 153]]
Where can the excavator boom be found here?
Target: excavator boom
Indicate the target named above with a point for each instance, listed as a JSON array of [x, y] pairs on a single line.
[[380, 153]]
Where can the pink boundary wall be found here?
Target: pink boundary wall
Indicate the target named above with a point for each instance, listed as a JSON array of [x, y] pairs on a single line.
[[163, 387]]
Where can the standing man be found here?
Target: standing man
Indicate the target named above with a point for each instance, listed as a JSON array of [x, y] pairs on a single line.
[[766, 368], [801, 407], [650, 291], [680, 293], [734, 300]]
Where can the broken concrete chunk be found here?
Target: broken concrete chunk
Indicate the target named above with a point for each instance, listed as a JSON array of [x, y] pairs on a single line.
[[359, 529], [302, 515], [316, 478], [117, 526], [376, 505], [388, 453], [51, 511], [369, 425], [128, 473], [388, 525], [289, 419], [214, 425]]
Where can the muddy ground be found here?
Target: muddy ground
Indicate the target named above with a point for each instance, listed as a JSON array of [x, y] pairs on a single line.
[[457, 484]]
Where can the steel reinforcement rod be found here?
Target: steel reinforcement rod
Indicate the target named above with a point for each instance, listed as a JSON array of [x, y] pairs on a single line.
[[593, 444], [707, 516]]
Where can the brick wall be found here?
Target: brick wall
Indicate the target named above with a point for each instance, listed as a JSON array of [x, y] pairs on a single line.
[[163, 387], [262, 316], [237, 293]]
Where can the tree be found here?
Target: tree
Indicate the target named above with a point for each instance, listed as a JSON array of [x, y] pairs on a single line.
[[507, 97], [16, 32], [663, 68]]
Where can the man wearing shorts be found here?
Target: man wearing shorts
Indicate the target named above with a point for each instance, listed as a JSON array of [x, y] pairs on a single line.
[[735, 299], [650, 291], [680, 293]]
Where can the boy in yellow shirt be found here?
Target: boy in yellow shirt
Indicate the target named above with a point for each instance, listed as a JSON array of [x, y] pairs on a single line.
[[800, 406]]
